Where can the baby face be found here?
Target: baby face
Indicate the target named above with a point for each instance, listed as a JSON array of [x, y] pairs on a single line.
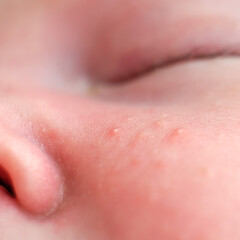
[[120, 120]]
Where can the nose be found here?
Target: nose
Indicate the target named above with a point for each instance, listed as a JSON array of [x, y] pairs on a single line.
[[29, 174]]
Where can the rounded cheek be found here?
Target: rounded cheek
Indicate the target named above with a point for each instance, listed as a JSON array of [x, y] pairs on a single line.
[[145, 174], [186, 182], [138, 173]]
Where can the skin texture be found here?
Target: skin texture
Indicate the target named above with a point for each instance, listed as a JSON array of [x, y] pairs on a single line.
[[100, 139]]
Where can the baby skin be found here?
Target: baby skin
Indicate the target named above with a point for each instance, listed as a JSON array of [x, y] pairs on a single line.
[[120, 120]]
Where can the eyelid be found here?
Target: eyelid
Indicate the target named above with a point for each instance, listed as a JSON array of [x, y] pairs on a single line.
[[194, 54]]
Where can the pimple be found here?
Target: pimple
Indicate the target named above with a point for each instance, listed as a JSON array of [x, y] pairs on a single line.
[[30, 123], [176, 135], [160, 124], [138, 138], [113, 132], [179, 131], [44, 130]]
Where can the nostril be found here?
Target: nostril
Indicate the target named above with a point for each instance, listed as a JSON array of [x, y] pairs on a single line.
[[29, 175], [6, 182]]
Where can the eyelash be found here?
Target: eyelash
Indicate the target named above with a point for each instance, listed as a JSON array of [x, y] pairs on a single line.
[[196, 54]]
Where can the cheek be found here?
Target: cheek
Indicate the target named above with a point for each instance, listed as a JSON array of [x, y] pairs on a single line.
[[140, 172], [157, 171], [185, 179]]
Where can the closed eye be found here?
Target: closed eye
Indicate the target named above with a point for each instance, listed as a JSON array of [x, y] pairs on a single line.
[[195, 54], [190, 78]]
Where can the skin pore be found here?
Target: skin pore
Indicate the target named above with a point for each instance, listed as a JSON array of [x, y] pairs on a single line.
[[117, 122]]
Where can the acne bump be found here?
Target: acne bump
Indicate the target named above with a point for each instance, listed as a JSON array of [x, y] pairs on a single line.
[[176, 135], [113, 132]]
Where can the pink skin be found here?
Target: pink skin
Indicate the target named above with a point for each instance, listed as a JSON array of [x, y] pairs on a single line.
[[154, 158]]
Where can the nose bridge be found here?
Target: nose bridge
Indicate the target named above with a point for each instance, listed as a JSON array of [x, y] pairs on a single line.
[[36, 179]]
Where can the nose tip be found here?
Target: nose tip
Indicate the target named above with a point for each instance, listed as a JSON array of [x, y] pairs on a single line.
[[32, 175]]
